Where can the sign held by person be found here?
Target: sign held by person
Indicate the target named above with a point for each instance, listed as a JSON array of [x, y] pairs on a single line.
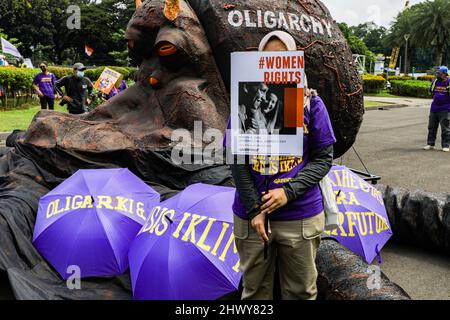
[[267, 98], [107, 80]]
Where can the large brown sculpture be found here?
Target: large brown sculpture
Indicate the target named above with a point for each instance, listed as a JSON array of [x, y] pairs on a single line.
[[182, 78]]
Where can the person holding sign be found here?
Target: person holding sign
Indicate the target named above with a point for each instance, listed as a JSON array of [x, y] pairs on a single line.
[[293, 202]]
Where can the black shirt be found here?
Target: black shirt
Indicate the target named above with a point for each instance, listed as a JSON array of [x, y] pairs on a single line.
[[76, 88]]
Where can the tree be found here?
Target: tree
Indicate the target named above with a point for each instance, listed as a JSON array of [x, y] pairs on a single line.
[[432, 26], [357, 46], [372, 35], [427, 23], [42, 25]]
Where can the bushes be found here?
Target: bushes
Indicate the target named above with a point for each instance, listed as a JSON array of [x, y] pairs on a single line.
[[15, 82], [373, 84], [411, 88], [15, 79], [428, 78], [93, 74], [60, 72], [402, 78], [12, 78]]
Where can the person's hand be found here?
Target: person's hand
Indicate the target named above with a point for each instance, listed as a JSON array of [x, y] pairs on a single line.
[[88, 101], [273, 200], [255, 123], [67, 99], [258, 225], [40, 94]]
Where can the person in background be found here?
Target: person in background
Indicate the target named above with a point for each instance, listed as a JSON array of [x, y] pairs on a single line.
[[440, 110], [21, 63], [116, 90], [293, 204], [78, 90], [43, 85], [3, 62]]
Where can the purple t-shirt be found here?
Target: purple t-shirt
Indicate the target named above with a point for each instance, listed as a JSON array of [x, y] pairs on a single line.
[[441, 97], [318, 134], [46, 83], [115, 91]]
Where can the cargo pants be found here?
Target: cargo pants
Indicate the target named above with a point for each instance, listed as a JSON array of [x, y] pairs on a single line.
[[436, 119], [293, 245]]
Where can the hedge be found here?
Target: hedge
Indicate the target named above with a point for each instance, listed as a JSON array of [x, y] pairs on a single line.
[[403, 78], [428, 78], [411, 88], [15, 82], [373, 84], [14, 79]]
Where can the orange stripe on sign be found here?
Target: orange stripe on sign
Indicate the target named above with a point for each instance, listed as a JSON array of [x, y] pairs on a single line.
[[293, 107]]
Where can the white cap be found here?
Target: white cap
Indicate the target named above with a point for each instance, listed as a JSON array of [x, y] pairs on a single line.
[[284, 37]]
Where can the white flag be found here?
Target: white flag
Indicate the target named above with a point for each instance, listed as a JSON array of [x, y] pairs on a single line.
[[8, 47]]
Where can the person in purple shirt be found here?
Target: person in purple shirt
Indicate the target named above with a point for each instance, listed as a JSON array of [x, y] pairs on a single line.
[[43, 85], [115, 91], [440, 110], [294, 204]]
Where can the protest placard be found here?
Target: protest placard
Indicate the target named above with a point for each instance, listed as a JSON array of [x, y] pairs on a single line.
[[267, 94], [107, 80]]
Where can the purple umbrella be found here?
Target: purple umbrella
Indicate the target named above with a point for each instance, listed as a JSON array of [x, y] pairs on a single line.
[[90, 220], [186, 249], [365, 227]]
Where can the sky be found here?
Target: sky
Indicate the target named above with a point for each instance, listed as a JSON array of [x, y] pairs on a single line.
[[354, 12]]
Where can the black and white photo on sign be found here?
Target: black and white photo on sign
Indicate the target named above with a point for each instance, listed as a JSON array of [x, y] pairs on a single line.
[[261, 108]]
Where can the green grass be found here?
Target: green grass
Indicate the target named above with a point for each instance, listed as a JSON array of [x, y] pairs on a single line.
[[383, 94], [369, 103], [21, 118]]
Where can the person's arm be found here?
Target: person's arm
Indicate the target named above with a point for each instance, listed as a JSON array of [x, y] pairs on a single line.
[[246, 188], [90, 86], [36, 87], [248, 194], [311, 174], [321, 139], [59, 84]]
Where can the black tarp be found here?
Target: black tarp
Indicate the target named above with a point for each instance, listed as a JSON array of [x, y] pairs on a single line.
[[341, 273], [23, 182], [419, 218]]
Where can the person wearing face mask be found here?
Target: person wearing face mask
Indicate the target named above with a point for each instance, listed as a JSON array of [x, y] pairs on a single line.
[[43, 85], [440, 110], [78, 89]]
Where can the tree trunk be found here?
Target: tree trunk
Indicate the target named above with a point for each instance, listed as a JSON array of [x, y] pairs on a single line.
[[439, 54]]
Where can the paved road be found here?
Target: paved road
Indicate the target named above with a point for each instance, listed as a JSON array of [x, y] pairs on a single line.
[[390, 143]]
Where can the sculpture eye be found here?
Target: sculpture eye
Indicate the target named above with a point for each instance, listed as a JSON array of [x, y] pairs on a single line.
[[166, 49]]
